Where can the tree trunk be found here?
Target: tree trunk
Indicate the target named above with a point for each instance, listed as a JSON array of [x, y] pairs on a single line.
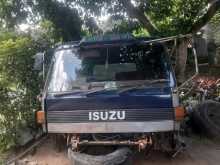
[[181, 59], [134, 12], [213, 7]]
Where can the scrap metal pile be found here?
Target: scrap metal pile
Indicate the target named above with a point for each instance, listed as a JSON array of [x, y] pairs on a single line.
[[201, 98], [202, 88]]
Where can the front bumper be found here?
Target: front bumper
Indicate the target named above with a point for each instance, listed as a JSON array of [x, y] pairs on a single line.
[[112, 127]]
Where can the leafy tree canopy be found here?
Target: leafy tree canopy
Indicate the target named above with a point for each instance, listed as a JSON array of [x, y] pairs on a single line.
[[158, 17], [12, 13], [164, 17], [65, 19]]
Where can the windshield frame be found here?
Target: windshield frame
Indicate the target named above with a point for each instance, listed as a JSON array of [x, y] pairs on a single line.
[[170, 78]]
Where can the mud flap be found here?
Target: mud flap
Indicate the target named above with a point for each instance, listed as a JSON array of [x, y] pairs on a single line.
[[118, 157]]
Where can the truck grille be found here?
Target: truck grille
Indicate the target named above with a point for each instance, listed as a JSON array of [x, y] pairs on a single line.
[[82, 116]]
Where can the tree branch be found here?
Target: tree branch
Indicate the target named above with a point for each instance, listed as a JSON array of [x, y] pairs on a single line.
[[213, 7], [134, 12]]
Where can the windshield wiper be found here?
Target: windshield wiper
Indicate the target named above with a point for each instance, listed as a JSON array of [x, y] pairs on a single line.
[[61, 94], [141, 86], [100, 90], [122, 90]]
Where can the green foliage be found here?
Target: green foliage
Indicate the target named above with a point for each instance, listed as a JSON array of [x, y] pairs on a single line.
[[19, 86], [19, 83], [46, 35], [7, 120], [15, 60], [95, 7], [65, 19], [4, 102], [141, 32], [214, 31], [174, 17], [126, 26], [12, 12], [171, 17]]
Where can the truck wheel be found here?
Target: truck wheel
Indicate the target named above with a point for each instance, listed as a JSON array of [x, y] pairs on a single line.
[[206, 118], [128, 161], [119, 157]]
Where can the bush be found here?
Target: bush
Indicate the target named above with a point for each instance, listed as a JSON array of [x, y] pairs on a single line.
[[19, 86]]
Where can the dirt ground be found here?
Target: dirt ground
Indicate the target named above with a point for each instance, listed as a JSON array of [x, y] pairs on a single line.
[[198, 152]]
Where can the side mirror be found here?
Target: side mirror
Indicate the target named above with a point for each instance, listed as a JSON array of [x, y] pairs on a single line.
[[38, 61]]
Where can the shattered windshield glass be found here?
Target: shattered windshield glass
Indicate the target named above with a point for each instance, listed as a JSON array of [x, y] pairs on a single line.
[[112, 67]]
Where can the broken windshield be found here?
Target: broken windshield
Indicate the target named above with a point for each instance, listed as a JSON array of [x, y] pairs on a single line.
[[85, 69]]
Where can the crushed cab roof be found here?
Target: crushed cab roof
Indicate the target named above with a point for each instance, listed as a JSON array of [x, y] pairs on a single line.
[[110, 40]]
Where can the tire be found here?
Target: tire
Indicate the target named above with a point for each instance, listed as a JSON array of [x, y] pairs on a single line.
[[206, 119], [118, 157], [128, 161]]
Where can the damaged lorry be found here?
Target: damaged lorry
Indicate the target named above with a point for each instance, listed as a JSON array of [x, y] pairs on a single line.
[[112, 91]]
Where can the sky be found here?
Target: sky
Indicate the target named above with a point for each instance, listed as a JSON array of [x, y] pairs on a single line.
[[102, 22], [24, 27]]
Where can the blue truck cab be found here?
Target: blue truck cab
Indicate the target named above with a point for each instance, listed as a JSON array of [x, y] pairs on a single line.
[[118, 90]]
